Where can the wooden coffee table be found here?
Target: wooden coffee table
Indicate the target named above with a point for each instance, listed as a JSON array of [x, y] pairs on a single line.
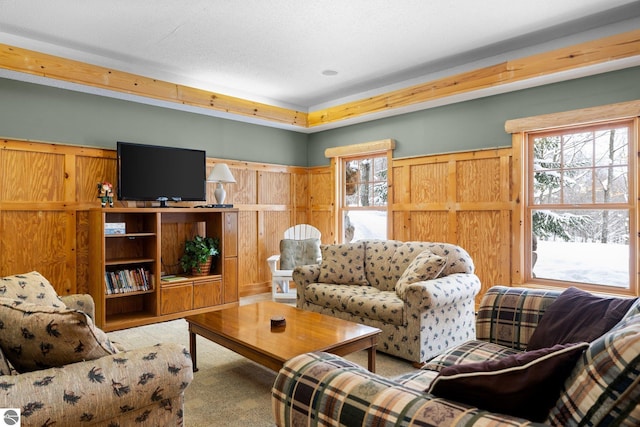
[[247, 331]]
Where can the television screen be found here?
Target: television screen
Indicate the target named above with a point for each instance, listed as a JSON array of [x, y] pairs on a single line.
[[150, 172]]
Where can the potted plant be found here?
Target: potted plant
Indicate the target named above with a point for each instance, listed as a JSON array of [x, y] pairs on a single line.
[[198, 254]]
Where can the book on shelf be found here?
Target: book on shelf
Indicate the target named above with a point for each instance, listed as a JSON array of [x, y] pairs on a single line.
[[129, 280]]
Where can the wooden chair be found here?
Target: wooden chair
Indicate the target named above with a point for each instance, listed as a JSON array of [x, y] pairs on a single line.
[[309, 241]]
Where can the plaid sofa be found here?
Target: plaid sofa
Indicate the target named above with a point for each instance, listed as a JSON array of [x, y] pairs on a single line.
[[602, 389], [143, 387], [421, 295]]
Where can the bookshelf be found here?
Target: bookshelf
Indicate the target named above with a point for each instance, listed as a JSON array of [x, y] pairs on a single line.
[[127, 267]]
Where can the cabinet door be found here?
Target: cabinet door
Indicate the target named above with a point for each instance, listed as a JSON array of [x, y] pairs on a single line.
[[207, 293], [176, 298], [230, 244], [230, 280]]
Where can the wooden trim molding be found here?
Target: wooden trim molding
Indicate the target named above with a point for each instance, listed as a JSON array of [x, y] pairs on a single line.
[[363, 148], [589, 53], [40, 64], [623, 110], [620, 46]]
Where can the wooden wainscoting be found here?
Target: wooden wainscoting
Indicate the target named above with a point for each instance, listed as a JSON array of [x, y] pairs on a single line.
[[45, 190], [270, 198], [464, 198]]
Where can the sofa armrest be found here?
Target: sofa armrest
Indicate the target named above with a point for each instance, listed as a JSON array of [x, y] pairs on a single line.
[[442, 291], [82, 302], [101, 389], [322, 386], [508, 316], [306, 274]]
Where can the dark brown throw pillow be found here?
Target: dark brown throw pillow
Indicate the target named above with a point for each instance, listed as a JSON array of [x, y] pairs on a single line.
[[578, 316], [525, 385]]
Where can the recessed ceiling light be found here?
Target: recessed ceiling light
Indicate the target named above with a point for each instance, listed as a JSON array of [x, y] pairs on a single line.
[[329, 73]]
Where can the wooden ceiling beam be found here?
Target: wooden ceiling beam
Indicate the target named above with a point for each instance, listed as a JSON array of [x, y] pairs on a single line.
[[599, 51]]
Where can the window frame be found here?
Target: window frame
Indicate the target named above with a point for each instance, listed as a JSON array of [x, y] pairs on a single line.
[[339, 156], [523, 131], [342, 204]]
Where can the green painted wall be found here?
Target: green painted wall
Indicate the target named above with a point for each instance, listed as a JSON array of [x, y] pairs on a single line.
[[32, 111], [478, 123]]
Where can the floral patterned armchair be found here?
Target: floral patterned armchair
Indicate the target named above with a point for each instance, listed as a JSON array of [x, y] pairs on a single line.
[[59, 369]]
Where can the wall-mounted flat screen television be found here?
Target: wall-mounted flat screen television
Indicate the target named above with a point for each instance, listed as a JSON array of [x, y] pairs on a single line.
[[157, 173]]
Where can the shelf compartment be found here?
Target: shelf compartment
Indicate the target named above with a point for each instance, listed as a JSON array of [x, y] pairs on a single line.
[[128, 294], [129, 235], [128, 261]]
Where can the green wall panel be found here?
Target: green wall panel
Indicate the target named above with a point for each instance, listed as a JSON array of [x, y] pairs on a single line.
[[478, 123], [32, 111]]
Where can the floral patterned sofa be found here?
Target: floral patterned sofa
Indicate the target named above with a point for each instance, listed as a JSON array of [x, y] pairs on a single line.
[[57, 368], [419, 294], [592, 380]]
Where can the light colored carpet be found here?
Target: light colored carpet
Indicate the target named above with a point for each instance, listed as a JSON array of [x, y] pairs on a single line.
[[229, 389]]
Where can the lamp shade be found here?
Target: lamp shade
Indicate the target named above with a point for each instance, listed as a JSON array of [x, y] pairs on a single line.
[[220, 173]]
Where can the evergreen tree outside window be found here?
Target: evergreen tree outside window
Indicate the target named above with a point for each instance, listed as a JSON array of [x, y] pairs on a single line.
[[579, 205]]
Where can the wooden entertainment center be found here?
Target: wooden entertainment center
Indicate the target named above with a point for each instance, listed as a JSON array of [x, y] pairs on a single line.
[[148, 249]]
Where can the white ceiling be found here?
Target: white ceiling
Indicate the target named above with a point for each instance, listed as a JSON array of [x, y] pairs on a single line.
[[275, 51]]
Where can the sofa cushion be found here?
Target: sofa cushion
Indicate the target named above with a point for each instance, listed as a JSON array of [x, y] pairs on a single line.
[[404, 254], [378, 260], [30, 287], [577, 316], [523, 385], [472, 351], [298, 252], [458, 260], [425, 266], [330, 295], [384, 306], [38, 337], [603, 386], [343, 264], [363, 301], [509, 316]]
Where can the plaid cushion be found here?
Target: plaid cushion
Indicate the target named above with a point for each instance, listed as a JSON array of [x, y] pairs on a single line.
[[326, 390], [635, 309], [469, 352], [603, 387], [420, 379], [508, 316]]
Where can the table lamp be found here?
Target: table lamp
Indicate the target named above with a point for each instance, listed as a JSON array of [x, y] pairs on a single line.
[[220, 173]]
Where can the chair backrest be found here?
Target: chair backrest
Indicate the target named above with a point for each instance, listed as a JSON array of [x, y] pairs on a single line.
[[301, 232]]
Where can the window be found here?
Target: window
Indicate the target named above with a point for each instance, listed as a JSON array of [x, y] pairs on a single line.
[[580, 216], [364, 198], [362, 189]]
